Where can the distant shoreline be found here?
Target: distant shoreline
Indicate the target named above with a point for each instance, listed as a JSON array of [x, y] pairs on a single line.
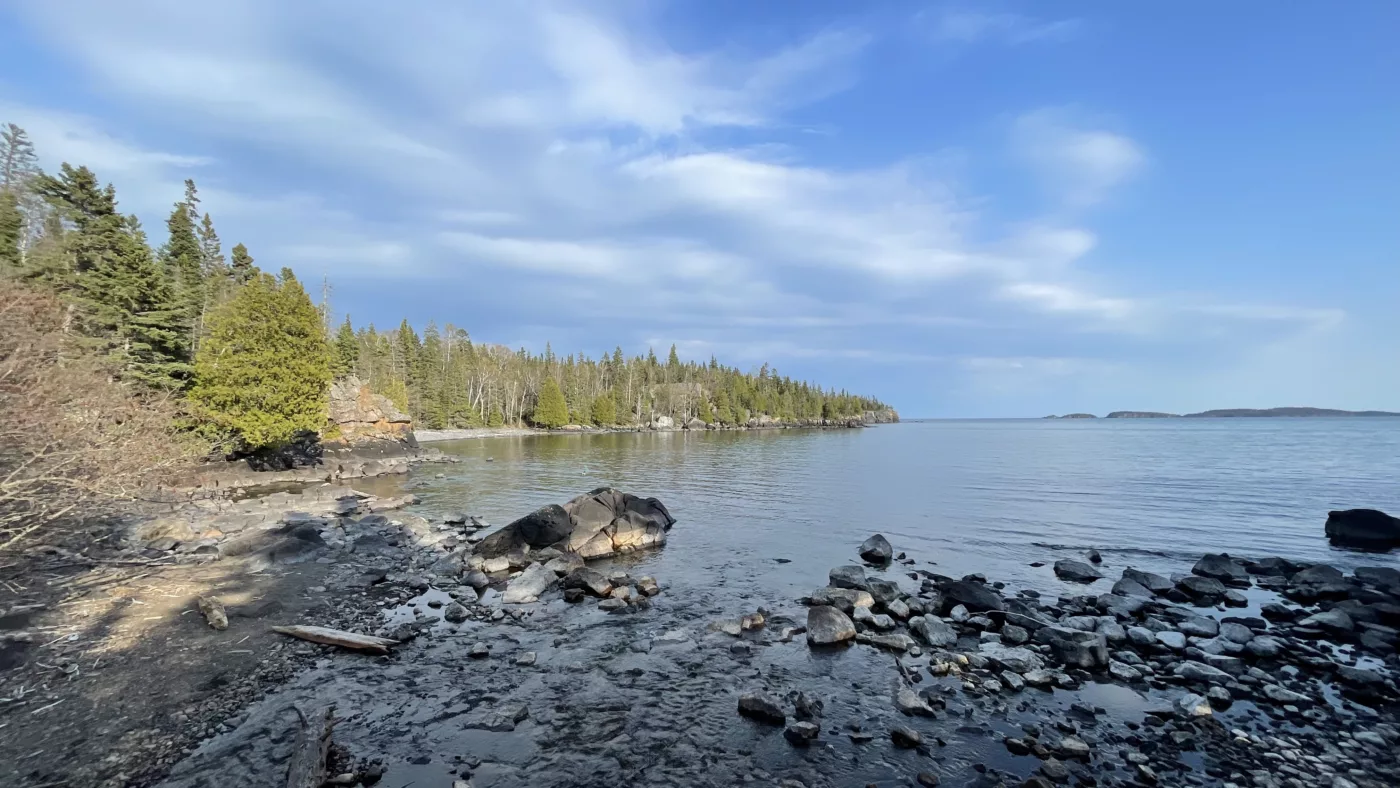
[[1231, 413]]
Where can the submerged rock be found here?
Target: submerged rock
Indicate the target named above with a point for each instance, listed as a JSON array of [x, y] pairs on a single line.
[[1363, 528], [601, 523], [757, 706]]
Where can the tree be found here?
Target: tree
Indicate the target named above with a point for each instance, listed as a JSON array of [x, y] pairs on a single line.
[[347, 350], [496, 419], [183, 259], [551, 411], [11, 232], [706, 415], [262, 372], [724, 412], [242, 268], [604, 410], [18, 162]]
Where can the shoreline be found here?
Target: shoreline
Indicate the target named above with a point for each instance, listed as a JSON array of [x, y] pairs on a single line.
[[469, 433]]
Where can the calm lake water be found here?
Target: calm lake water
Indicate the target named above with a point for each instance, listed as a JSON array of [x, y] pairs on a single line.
[[970, 496]]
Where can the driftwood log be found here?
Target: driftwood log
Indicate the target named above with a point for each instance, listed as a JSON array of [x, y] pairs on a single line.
[[336, 637], [308, 767]]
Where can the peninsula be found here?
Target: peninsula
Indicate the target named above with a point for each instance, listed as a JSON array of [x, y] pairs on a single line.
[[1227, 413]]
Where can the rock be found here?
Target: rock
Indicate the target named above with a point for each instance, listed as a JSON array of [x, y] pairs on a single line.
[[959, 614], [976, 597], [1236, 633], [565, 563], [1199, 626], [1172, 639], [1200, 672], [883, 591], [905, 738], [899, 609], [862, 615], [1075, 647], [752, 621], [647, 586], [526, 659], [1126, 587], [1122, 672], [612, 605], [479, 651], [1316, 575], [601, 523], [362, 416], [1192, 705], [527, 587], [1221, 567], [1381, 576], [844, 599], [1279, 694], [827, 626], [757, 706], [1205, 590], [1073, 747], [1013, 635], [933, 630], [847, 577], [895, 641], [1016, 660], [801, 734], [589, 580], [1076, 571], [876, 550], [1157, 584], [1265, 647], [1094, 557], [1333, 622], [455, 613], [1142, 637], [908, 702], [1363, 528], [1276, 611]]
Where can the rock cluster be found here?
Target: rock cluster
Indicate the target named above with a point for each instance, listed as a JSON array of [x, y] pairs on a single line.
[[601, 523]]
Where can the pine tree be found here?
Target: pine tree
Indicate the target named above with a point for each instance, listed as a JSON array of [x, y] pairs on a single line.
[[706, 415], [724, 412], [604, 410], [551, 411], [183, 259], [242, 268], [262, 372], [347, 350], [154, 340], [18, 162]]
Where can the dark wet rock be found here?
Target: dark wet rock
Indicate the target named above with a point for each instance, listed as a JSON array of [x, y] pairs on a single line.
[[1277, 611], [844, 599], [876, 550], [883, 591], [805, 707], [757, 706], [1076, 571], [1075, 647], [1200, 672], [574, 595], [1121, 606], [455, 613], [1013, 635], [1127, 587], [1155, 583], [1014, 659], [1094, 557], [905, 738], [827, 626], [933, 630], [1223, 568], [1272, 566], [1203, 590], [1368, 528], [589, 580], [647, 586], [600, 523], [612, 605], [1236, 633], [801, 734], [1333, 622], [479, 651], [852, 577], [1316, 575], [529, 585], [976, 597], [908, 702], [1380, 576]]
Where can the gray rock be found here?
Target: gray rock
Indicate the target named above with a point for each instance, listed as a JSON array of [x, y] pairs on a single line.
[[882, 622], [905, 738], [1122, 672], [959, 614], [1126, 587], [1236, 633], [1333, 622], [908, 702], [479, 651], [528, 586], [933, 630], [1222, 568], [526, 659], [1193, 705], [1265, 647], [844, 599], [1202, 589], [1141, 637], [894, 641], [1154, 583], [1075, 647], [976, 597], [1014, 659], [1200, 627], [848, 577], [1172, 639], [455, 613], [827, 626], [802, 734], [1279, 694], [883, 591], [1076, 571], [757, 706], [589, 580], [1200, 672], [1013, 635], [876, 550]]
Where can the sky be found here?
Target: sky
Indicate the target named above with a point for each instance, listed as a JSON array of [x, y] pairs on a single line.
[[970, 209]]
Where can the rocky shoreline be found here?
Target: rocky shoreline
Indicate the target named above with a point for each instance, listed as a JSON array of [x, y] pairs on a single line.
[[661, 424], [519, 663]]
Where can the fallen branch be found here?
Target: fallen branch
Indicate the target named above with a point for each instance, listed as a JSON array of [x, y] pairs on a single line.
[[308, 767], [336, 637]]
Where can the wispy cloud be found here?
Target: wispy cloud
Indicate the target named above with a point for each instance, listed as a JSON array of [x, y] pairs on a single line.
[[970, 26], [1078, 159]]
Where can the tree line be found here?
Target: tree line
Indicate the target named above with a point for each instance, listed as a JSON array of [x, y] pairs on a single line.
[[250, 356]]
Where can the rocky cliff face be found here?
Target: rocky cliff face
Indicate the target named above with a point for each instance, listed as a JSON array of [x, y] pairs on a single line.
[[361, 415]]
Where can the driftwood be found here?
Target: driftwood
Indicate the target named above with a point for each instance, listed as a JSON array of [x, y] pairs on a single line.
[[308, 767], [213, 611], [336, 637]]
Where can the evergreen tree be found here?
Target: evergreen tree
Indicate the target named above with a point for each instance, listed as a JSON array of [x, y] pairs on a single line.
[[604, 410], [347, 349], [673, 361], [241, 269], [154, 343], [724, 412], [706, 415], [18, 162], [551, 411], [262, 372], [183, 259], [11, 232], [496, 419]]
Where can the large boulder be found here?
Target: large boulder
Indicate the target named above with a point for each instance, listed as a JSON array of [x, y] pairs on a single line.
[[601, 523], [876, 550], [827, 626], [1076, 571], [1222, 568], [528, 586], [359, 414], [976, 597], [1367, 528], [1075, 647]]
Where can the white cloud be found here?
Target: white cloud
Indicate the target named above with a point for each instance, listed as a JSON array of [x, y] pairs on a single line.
[[1079, 163], [969, 26]]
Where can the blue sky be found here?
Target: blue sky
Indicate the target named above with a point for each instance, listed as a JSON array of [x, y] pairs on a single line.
[[967, 209]]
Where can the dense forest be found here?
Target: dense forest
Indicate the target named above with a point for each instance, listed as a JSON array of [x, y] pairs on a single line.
[[250, 356]]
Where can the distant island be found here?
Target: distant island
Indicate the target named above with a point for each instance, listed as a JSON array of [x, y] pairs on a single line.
[[1229, 413]]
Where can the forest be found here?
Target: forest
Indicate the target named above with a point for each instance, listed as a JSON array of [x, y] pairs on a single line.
[[248, 356]]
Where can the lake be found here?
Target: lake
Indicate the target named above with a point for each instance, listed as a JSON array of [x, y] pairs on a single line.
[[988, 496]]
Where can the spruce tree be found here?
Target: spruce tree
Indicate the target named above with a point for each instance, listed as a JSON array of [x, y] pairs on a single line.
[[706, 415], [604, 410], [262, 372], [18, 162], [154, 342], [183, 259], [551, 410], [495, 419], [11, 233], [724, 412], [347, 350], [241, 268]]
